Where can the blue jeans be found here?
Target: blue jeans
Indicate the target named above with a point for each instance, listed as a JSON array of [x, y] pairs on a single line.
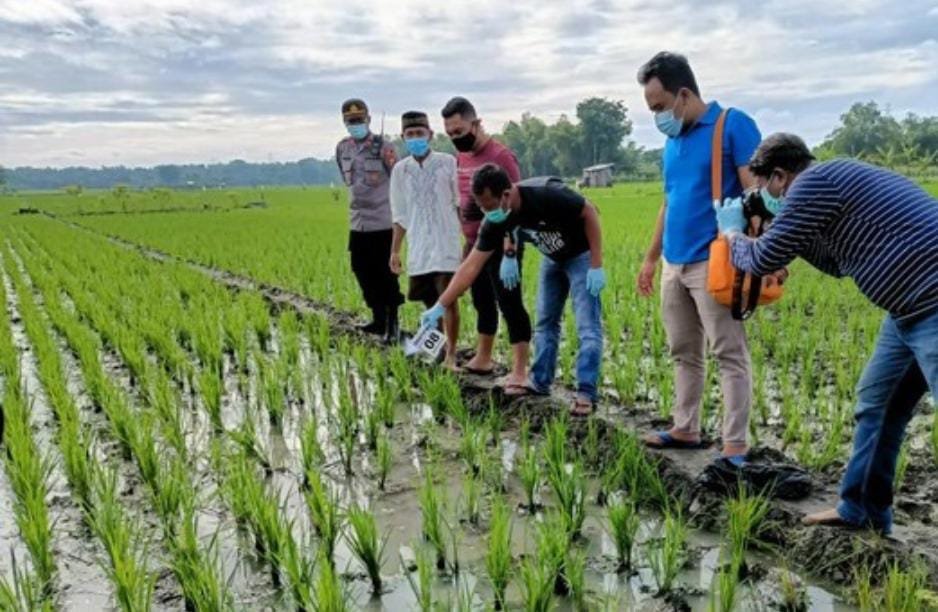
[[904, 364], [557, 280]]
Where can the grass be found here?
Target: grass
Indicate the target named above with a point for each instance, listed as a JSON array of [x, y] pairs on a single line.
[[529, 472], [498, 558], [746, 514], [367, 545]]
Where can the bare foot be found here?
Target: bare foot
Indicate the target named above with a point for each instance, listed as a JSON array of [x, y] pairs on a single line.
[[826, 517], [478, 365], [511, 380], [450, 364]]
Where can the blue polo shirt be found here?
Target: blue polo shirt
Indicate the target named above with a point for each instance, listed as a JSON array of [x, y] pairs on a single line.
[[690, 224]]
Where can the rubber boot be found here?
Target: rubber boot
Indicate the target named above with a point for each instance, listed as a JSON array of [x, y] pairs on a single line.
[[378, 323]]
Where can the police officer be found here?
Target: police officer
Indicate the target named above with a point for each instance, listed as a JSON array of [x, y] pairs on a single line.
[[365, 161]]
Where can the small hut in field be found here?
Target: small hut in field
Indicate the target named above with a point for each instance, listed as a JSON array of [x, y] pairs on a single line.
[[599, 175]]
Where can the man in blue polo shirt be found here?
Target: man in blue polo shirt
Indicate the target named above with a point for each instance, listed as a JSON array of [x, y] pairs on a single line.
[[686, 227]]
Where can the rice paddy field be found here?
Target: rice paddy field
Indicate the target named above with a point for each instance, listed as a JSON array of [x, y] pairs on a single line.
[[193, 423]]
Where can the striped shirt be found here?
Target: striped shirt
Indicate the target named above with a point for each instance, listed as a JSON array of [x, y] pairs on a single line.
[[848, 218]]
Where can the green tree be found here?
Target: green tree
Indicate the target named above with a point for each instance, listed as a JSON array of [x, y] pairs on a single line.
[[865, 131], [529, 139], [566, 144], [604, 124]]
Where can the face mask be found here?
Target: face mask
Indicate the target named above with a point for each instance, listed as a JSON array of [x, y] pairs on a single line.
[[418, 147], [465, 142], [668, 124], [497, 215], [772, 204], [358, 131]]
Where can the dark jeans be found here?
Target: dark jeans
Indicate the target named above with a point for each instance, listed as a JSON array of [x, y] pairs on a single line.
[[489, 296], [370, 253], [904, 364]]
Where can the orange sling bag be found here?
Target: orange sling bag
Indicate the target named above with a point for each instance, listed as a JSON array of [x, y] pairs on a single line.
[[740, 291]]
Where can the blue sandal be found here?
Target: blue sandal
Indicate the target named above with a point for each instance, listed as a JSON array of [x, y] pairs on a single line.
[[669, 441]]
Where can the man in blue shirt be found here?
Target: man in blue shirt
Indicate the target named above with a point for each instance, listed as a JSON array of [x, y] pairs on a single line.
[[686, 227], [848, 218]]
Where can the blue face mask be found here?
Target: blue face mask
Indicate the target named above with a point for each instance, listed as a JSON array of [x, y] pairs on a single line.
[[668, 124], [497, 215], [772, 204], [358, 131], [418, 147]]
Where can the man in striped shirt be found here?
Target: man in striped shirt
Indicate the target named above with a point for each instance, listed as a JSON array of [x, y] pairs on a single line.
[[848, 218]]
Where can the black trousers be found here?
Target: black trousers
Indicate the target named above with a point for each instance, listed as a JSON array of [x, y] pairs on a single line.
[[370, 252], [489, 296]]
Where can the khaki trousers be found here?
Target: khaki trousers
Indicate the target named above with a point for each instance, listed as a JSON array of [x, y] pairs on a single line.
[[691, 316]]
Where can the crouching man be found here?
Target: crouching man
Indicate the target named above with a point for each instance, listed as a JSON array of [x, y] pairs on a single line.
[[565, 228], [848, 218]]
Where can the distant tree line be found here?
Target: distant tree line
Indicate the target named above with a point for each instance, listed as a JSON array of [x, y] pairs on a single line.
[[236, 173], [599, 135]]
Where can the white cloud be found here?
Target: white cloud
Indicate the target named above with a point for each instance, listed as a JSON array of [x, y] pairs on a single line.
[[148, 81]]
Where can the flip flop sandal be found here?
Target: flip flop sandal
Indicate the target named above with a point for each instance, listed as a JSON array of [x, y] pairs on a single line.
[[737, 461], [479, 371], [669, 441], [518, 390]]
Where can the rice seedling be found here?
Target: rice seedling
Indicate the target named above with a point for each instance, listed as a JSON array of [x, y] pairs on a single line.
[[22, 592], [498, 559], [324, 513], [385, 401], [902, 588], [624, 522], [794, 596], [384, 459], [574, 571], [272, 381], [422, 586], [667, 554], [330, 596], [472, 494], [529, 472], [472, 447], [198, 571], [590, 451], [537, 586], [746, 515], [210, 387], [494, 421], [312, 455], [568, 483], [553, 540], [366, 544], [372, 429], [865, 595], [724, 596], [124, 544], [299, 570], [432, 508]]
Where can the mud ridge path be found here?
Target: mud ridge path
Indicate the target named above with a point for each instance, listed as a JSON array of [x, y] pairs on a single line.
[[826, 552]]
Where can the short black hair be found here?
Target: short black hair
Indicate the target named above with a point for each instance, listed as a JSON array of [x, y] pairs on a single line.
[[459, 106], [492, 177], [672, 69], [780, 150]]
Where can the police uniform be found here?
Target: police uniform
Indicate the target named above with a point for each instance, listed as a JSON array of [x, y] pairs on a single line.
[[365, 166]]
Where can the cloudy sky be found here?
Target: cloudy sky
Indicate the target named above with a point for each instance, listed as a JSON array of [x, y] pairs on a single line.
[[140, 82]]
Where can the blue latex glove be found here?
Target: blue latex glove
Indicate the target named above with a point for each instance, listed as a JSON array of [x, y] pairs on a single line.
[[595, 281], [508, 272], [430, 317], [730, 216]]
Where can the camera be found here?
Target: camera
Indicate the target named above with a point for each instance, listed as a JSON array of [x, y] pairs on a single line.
[[754, 206]]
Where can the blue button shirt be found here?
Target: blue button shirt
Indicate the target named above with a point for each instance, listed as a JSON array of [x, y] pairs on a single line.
[[690, 224]]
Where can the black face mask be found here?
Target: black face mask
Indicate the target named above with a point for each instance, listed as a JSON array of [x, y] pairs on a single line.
[[465, 142]]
